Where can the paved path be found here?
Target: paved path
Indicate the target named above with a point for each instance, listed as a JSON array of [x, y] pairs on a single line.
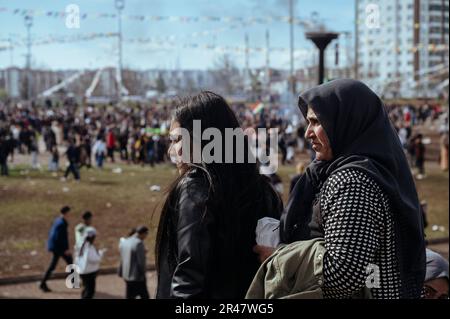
[[108, 287]]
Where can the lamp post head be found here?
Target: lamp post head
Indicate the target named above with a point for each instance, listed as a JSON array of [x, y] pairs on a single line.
[[321, 39], [120, 4], [28, 21]]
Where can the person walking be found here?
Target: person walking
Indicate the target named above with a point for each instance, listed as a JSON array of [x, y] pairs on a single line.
[[111, 144], [73, 156], [419, 152], [34, 150], [58, 245], [88, 261], [4, 152], [133, 264], [99, 150], [82, 229], [53, 165]]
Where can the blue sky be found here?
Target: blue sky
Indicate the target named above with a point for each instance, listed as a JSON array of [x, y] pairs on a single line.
[[338, 15]]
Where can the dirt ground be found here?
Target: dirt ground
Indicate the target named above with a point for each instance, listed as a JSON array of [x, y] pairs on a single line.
[[107, 287]]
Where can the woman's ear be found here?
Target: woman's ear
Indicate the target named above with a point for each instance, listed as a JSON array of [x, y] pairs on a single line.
[[177, 147]]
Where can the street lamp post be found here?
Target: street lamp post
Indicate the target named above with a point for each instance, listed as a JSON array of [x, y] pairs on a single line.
[[247, 62], [268, 64], [291, 47], [356, 52], [348, 37], [120, 4], [11, 57], [321, 40], [28, 24]]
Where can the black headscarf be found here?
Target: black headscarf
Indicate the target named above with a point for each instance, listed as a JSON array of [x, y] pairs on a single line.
[[363, 138]]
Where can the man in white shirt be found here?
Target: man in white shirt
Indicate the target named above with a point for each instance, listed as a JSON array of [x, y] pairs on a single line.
[[81, 230], [88, 261]]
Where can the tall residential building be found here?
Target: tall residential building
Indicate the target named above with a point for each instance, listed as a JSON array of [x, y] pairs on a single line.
[[402, 46]]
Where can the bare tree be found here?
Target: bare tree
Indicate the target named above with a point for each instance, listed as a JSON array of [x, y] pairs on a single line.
[[226, 75], [191, 86], [161, 86]]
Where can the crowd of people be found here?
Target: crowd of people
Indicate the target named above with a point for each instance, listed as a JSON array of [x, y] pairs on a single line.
[[406, 120], [138, 134], [87, 133]]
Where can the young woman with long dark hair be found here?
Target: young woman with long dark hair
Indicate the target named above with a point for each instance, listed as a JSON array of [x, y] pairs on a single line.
[[207, 226]]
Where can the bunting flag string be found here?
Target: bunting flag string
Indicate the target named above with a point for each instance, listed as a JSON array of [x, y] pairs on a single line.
[[163, 41], [157, 18]]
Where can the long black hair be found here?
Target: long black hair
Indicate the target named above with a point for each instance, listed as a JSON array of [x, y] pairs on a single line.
[[88, 239], [235, 187]]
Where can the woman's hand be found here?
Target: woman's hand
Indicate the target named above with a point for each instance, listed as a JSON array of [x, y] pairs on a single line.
[[263, 252]]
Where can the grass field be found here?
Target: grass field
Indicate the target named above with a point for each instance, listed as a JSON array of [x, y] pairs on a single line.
[[30, 200]]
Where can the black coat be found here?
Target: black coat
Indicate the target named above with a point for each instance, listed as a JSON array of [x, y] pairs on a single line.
[[204, 258], [73, 154]]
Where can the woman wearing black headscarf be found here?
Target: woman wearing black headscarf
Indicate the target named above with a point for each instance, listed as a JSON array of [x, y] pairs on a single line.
[[358, 194]]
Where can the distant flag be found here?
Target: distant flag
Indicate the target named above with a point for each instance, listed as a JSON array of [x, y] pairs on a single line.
[[257, 107]]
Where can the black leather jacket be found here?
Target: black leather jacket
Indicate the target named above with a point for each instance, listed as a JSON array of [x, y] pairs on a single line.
[[203, 257]]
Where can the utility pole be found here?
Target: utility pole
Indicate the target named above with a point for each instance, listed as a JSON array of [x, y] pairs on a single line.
[[7, 84], [336, 72], [397, 49], [28, 24], [348, 58], [356, 66], [268, 63], [11, 56], [120, 4], [291, 29], [247, 67]]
